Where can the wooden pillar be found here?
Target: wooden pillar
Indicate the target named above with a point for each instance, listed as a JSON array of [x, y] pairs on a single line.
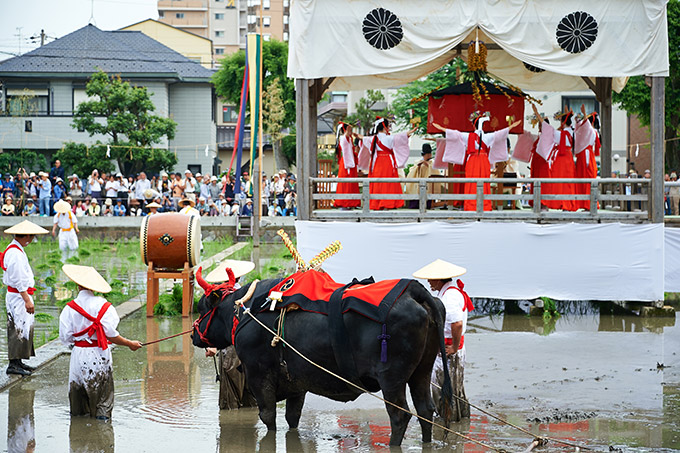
[[657, 126], [604, 96], [301, 126], [307, 95]]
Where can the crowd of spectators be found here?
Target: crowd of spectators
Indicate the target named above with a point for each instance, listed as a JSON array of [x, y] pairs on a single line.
[[30, 194]]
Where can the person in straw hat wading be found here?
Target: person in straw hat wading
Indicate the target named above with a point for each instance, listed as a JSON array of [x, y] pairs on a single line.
[[89, 323], [234, 392], [67, 222], [440, 275], [18, 276]]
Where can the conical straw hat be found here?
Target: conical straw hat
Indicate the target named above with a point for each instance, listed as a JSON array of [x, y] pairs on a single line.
[[439, 270], [219, 274], [87, 277], [26, 227], [154, 205], [62, 206]]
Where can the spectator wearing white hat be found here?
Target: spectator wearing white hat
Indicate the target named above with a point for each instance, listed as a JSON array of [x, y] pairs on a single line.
[[94, 210], [45, 193], [214, 189], [74, 187], [164, 184], [123, 191], [205, 187], [202, 207], [94, 183], [189, 185]]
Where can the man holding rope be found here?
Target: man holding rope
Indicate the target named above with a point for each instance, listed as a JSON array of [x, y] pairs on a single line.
[[89, 323], [234, 391], [440, 274]]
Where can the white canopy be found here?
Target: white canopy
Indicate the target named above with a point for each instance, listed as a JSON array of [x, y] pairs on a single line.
[[372, 44]]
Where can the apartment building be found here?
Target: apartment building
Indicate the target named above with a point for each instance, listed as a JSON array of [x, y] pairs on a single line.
[[226, 22]]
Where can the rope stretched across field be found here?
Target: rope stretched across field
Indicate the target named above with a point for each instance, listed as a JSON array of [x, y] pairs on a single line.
[[167, 338]]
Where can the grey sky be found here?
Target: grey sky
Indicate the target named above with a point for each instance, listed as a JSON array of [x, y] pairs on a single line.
[[61, 17]]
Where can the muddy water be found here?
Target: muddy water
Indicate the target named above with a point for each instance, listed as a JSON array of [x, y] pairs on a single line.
[[589, 378]]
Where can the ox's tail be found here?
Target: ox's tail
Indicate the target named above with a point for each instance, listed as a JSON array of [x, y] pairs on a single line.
[[437, 309]]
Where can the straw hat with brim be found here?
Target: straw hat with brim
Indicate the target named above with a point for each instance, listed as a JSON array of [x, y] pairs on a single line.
[[26, 227], [188, 200], [62, 207], [87, 277], [219, 274], [154, 205], [439, 270]]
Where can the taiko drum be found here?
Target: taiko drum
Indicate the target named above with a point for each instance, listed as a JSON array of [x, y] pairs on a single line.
[[171, 239]]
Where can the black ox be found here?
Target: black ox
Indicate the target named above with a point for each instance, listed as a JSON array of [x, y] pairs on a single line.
[[415, 324]]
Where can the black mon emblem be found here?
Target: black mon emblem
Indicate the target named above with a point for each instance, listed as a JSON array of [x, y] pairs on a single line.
[[287, 285]]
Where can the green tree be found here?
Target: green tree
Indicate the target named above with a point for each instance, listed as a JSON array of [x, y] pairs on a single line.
[[273, 115], [28, 160], [365, 111], [449, 74], [79, 159], [229, 79], [289, 148], [128, 121], [636, 97]]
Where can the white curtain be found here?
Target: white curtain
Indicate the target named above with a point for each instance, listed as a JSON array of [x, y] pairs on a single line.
[[504, 260], [617, 38]]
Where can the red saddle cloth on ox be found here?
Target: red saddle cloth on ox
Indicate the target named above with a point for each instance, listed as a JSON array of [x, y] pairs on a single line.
[[312, 291]]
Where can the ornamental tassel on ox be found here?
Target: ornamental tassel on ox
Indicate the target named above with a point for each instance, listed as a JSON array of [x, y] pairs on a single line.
[[383, 343]]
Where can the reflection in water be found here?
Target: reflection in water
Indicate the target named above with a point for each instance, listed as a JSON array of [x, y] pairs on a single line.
[[89, 435], [20, 423], [171, 377]]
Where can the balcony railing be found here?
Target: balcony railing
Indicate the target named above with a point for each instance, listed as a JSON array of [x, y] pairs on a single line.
[[610, 200]]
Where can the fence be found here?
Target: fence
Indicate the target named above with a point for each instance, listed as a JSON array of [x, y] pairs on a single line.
[[610, 200]]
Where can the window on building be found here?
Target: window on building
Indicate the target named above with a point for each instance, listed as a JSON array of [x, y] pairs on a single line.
[[219, 51], [219, 16], [161, 14], [229, 113], [285, 19], [339, 96], [267, 21], [27, 101], [266, 4], [267, 37], [219, 33], [179, 15], [251, 19], [80, 96], [286, 3], [574, 103], [285, 36]]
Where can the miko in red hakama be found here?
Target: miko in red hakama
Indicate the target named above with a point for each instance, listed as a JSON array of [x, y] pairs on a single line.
[[562, 167], [384, 165], [347, 163], [477, 165], [540, 168], [587, 147]]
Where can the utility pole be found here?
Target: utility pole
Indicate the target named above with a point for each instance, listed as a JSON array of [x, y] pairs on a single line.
[[19, 35], [42, 37]]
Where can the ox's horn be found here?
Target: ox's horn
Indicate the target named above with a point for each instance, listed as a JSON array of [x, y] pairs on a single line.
[[232, 278], [202, 283]]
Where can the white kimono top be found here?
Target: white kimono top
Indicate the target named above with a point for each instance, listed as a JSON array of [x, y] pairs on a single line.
[[454, 303], [18, 275], [398, 143], [457, 142], [87, 363]]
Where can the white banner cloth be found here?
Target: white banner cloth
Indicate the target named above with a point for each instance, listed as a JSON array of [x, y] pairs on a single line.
[[672, 260], [504, 260], [402, 40]]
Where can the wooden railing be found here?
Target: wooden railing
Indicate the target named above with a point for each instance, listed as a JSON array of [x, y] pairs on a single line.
[[610, 200]]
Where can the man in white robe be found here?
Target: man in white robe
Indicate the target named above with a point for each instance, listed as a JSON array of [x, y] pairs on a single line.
[[89, 323], [18, 277], [67, 222], [440, 274]]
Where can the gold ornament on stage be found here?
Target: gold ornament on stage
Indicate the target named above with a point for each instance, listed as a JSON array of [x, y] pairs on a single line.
[[477, 56]]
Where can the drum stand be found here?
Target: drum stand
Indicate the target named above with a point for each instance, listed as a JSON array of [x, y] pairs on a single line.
[[152, 292]]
